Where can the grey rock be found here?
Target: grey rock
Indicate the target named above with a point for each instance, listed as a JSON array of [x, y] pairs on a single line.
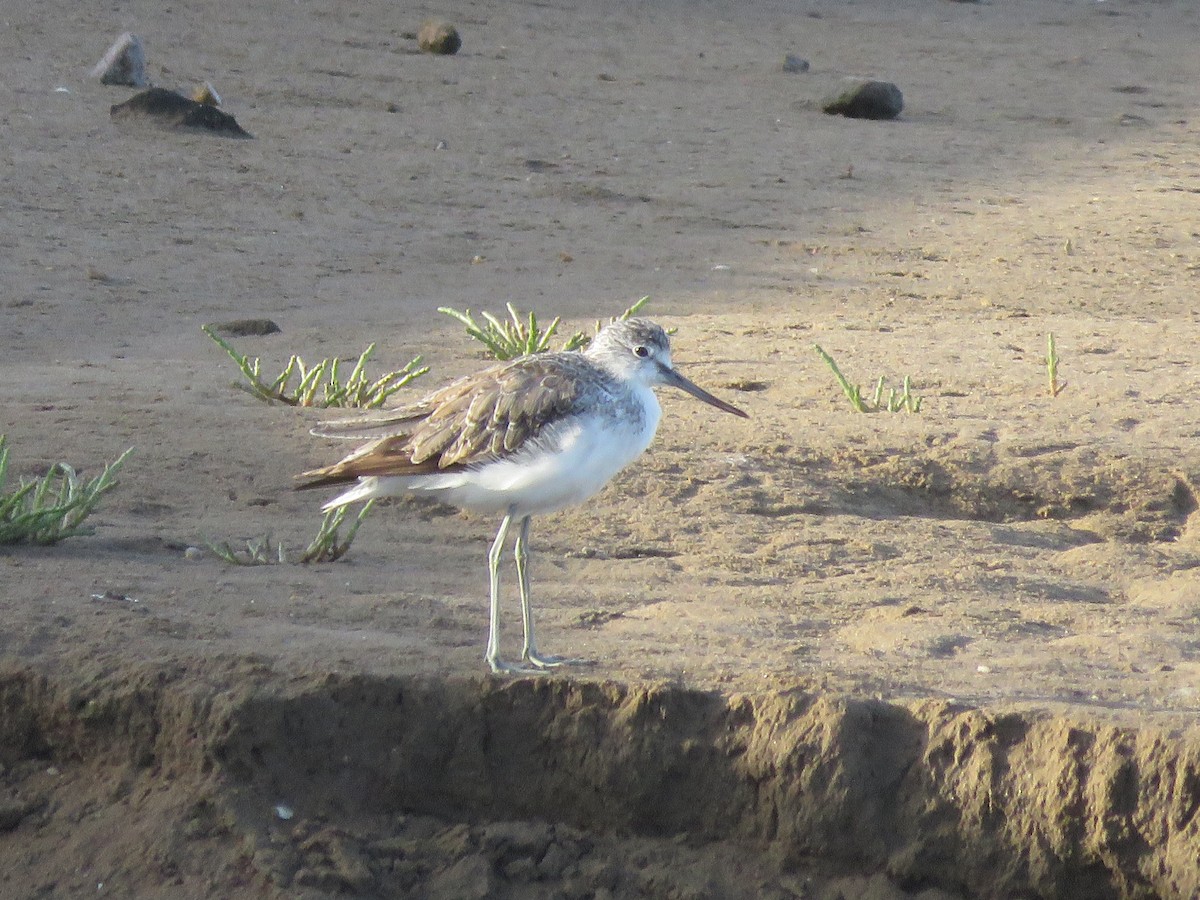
[[794, 65], [124, 63]]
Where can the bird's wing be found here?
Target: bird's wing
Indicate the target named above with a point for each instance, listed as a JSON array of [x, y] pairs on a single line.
[[494, 413], [476, 419]]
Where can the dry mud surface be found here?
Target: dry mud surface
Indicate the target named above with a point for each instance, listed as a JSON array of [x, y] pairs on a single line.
[[950, 654]]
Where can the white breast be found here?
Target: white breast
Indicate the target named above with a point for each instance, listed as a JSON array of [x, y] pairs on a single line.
[[570, 462]]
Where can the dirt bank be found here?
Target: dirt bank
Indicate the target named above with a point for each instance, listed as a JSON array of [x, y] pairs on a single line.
[[468, 787]]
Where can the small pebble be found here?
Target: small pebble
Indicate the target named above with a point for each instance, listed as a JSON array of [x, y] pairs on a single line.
[[193, 553], [794, 65], [983, 670], [207, 94], [246, 327]]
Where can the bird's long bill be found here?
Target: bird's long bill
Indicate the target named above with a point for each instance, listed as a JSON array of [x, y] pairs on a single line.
[[674, 379]]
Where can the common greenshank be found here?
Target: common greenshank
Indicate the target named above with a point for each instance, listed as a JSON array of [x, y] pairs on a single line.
[[529, 436]]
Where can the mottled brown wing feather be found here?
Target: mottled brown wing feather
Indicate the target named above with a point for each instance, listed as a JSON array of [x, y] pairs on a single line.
[[497, 411], [386, 456], [475, 419]]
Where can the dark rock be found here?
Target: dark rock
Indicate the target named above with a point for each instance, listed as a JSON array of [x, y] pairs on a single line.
[[246, 327], [794, 64], [12, 812], [864, 99], [175, 110], [11, 816], [438, 37]]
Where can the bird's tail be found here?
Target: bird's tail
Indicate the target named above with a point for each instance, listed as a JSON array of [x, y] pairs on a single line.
[[319, 478], [335, 476], [363, 489]]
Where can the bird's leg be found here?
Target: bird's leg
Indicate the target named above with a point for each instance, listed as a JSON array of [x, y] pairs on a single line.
[[530, 653], [492, 655]]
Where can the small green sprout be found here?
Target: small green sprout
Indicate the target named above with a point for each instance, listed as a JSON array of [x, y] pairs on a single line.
[[327, 546], [320, 385], [893, 402], [54, 507], [521, 335], [257, 552], [507, 339], [1055, 387]]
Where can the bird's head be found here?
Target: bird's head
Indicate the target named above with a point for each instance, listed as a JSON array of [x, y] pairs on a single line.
[[639, 350]]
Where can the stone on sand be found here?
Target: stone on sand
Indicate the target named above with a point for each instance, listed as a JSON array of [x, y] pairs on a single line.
[[207, 94], [861, 98], [438, 37], [124, 63], [175, 110], [794, 65], [246, 327]]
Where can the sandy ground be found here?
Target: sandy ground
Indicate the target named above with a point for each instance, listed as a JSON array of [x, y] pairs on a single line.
[[1002, 550]]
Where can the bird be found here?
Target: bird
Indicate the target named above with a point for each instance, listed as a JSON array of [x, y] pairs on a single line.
[[525, 437]]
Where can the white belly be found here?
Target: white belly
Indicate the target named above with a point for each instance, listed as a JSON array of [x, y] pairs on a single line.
[[569, 464]]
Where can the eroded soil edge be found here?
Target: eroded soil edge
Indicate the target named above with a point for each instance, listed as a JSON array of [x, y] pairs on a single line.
[[370, 776]]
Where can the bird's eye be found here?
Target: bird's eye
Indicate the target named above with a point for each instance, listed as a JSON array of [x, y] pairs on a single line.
[[643, 352]]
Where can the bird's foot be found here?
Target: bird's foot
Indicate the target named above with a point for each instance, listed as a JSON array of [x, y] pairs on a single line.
[[500, 667], [533, 663], [543, 663]]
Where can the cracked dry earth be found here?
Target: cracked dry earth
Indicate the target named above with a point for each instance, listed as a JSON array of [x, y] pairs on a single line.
[[952, 654]]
